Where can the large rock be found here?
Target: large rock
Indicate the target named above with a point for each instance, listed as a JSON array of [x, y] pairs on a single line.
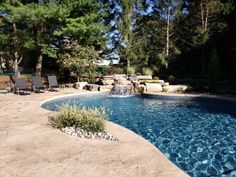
[[92, 87], [141, 88], [160, 81], [107, 82], [120, 76], [133, 78], [153, 87], [124, 82], [152, 81], [108, 77], [105, 88], [80, 85], [144, 77], [175, 88]]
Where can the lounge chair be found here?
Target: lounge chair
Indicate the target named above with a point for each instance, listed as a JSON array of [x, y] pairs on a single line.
[[37, 84], [21, 86], [53, 84]]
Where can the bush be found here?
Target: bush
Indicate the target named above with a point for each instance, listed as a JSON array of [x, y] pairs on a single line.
[[156, 78], [89, 119], [115, 70], [213, 70], [147, 71], [171, 79], [131, 70], [26, 76]]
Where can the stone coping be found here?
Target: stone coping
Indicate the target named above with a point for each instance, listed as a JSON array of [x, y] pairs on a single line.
[[194, 95], [30, 147]]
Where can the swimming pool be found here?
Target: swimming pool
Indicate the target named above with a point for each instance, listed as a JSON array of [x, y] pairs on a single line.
[[197, 134]]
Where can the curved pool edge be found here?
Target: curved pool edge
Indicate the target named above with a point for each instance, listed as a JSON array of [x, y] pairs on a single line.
[[193, 95], [125, 135]]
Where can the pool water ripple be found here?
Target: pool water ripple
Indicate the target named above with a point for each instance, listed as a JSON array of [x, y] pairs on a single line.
[[197, 135]]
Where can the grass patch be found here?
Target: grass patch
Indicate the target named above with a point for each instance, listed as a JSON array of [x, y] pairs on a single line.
[[89, 119]]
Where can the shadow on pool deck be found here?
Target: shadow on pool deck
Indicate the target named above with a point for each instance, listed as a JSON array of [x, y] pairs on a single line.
[[29, 147]]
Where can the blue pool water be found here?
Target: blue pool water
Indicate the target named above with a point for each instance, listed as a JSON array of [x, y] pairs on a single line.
[[198, 135]]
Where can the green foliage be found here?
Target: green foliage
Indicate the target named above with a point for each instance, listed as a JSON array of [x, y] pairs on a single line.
[[132, 70], [89, 119], [213, 69], [26, 76], [171, 79], [115, 70], [74, 56], [147, 71], [84, 23], [156, 78], [40, 26]]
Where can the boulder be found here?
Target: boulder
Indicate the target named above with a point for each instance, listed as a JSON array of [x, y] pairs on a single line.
[[175, 88], [160, 81], [153, 87], [144, 77], [133, 78], [124, 82], [141, 88], [107, 81], [108, 77], [92, 87], [80, 85], [166, 84], [152, 81], [120, 76], [105, 88]]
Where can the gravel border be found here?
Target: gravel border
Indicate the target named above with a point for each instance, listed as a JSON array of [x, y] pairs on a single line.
[[80, 133]]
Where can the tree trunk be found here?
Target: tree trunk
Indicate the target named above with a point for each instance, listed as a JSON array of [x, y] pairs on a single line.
[[203, 63], [15, 65], [17, 59], [168, 34], [128, 66], [204, 19], [167, 37], [39, 63]]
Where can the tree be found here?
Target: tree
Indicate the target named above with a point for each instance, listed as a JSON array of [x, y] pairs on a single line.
[[84, 34], [213, 69], [169, 10], [125, 28], [11, 42], [39, 21], [206, 19], [75, 57]]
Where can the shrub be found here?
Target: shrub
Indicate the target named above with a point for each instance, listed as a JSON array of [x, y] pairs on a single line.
[[115, 70], [171, 79], [156, 78], [147, 71], [131, 70], [89, 119], [213, 70], [26, 76]]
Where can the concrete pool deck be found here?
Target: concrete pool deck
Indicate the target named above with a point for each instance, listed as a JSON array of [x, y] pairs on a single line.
[[30, 147]]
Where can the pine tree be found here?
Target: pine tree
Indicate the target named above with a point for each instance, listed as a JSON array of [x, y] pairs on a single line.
[[206, 19], [169, 10], [213, 69]]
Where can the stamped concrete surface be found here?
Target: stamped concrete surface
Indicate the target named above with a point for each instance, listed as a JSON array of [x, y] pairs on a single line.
[[29, 147]]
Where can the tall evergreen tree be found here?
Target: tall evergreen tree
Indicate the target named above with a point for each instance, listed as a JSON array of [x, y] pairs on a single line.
[[205, 21], [169, 11]]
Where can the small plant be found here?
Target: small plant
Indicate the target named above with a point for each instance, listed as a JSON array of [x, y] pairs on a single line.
[[147, 71], [156, 78], [131, 70], [143, 82], [89, 119], [26, 76], [171, 79]]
